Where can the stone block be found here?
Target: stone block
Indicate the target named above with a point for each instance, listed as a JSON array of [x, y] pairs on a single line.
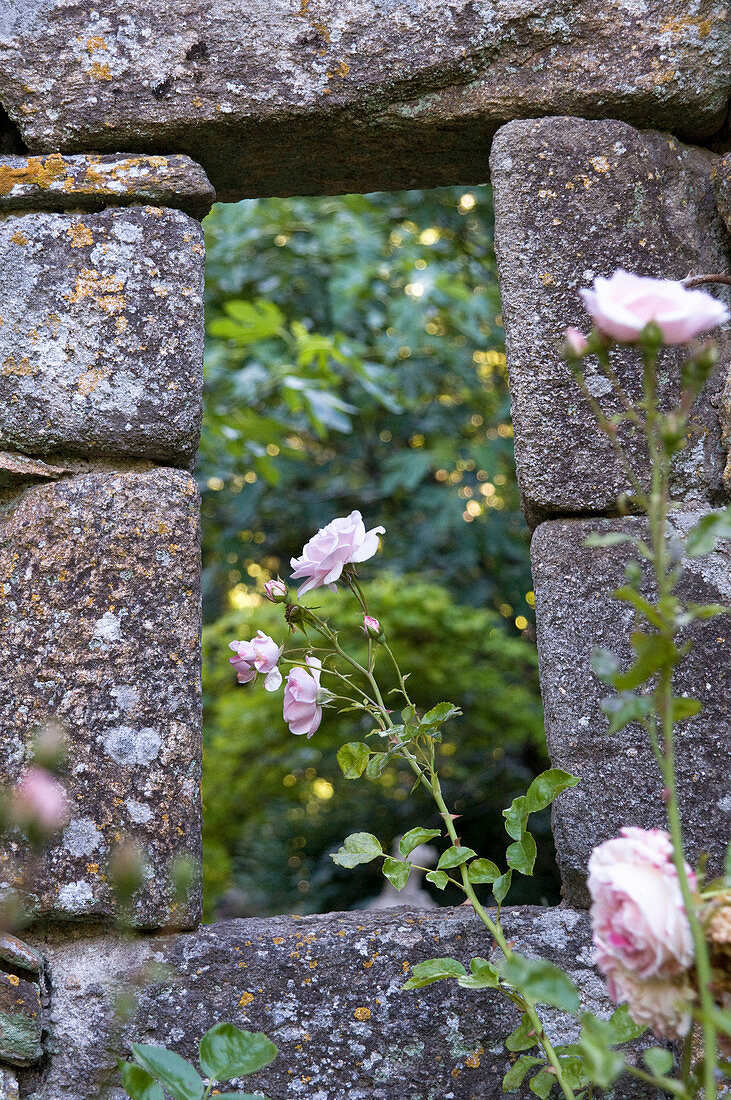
[[101, 334], [620, 780], [329, 96], [100, 614], [91, 182], [326, 989], [575, 199], [21, 1020], [8, 1084], [722, 184]]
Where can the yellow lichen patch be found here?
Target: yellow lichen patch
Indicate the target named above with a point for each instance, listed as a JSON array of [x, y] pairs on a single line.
[[96, 43], [21, 369], [104, 290], [37, 172], [277, 940], [19, 238], [159, 291], [600, 164], [92, 868], [100, 71], [12, 979], [313, 964], [368, 964], [362, 1014], [79, 235], [245, 999], [547, 278], [472, 1061]]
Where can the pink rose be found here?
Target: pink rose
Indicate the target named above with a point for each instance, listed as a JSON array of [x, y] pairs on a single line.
[[302, 698], [275, 591], [371, 627], [342, 541], [39, 803], [663, 1005], [638, 918], [623, 305], [576, 342], [261, 654]]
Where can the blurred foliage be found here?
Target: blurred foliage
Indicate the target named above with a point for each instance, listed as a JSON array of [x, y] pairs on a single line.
[[355, 360], [276, 805]]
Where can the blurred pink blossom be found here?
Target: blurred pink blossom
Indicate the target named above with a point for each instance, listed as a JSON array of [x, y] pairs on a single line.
[[302, 697], [261, 654], [623, 305], [576, 341], [662, 1004], [39, 803], [342, 541]]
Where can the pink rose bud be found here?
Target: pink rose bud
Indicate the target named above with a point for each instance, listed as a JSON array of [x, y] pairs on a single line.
[[276, 591], [576, 342], [623, 305], [261, 654], [303, 697], [39, 805], [341, 542], [371, 627]]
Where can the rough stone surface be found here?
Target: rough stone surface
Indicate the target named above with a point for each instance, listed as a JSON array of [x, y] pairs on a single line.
[[16, 469], [620, 782], [99, 629], [327, 990], [8, 1084], [576, 199], [722, 183], [316, 96], [20, 1020], [88, 182], [101, 334]]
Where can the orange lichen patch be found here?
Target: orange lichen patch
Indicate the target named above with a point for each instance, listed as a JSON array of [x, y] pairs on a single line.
[[245, 999], [89, 381], [104, 290], [22, 368], [37, 172], [79, 235], [472, 1061], [100, 71], [19, 238], [362, 1014], [92, 868], [679, 26], [456, 1072], [96, 43]]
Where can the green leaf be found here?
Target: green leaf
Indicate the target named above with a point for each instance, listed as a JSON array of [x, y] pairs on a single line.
[[521, 855], [631, 596], [613, 538], [138, 1083], [396, 872], [483, 870], [483, 975], [540, 980], [625, 707], [226, 1051], [434, 970], [513, 1079], [702, 539], [623, 1027], [542, 1083], [353, 759], [603, 1065], [454, 856], [501, 886], [439, 878], [685, 707], [653, 653], [172, 1071], [545, 787], [376, 765], [659, 1060], [438, 715], [358, 848], [414, 838], [524, 1037], [605, 664], [515, 816]]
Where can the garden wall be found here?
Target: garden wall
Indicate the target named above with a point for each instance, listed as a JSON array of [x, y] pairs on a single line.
[[610, 127]]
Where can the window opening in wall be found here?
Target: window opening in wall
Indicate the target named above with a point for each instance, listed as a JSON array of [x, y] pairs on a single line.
[[355, 359]]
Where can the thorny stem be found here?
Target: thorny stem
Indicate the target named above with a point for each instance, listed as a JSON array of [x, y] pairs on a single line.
[[610, 431]]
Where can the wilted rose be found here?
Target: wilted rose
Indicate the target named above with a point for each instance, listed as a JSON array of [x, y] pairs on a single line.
[[39, 804], [302, 698], [637, 912], [662, 1004], [342, 541], [261, 654], [623, 305]]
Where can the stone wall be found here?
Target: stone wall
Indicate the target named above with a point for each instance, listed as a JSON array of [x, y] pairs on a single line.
[[609, 126]]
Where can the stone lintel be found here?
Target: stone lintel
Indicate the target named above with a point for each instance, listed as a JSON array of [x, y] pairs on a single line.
[[100, 632], [620, 781], [326, 989], [575, 199], [87, 182], [331, 96]]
